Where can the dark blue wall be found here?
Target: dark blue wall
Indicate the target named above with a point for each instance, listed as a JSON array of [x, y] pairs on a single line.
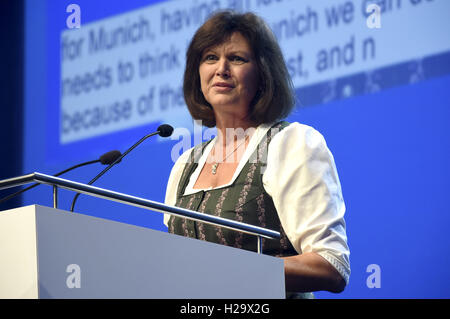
[[11, 57]]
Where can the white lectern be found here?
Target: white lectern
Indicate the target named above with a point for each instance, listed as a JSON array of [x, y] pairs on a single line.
[[49, 253]]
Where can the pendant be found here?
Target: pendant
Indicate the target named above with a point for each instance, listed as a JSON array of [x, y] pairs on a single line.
[[214, 168]]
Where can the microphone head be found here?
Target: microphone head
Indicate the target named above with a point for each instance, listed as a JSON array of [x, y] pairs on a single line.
[[165, 130], [110, 157]]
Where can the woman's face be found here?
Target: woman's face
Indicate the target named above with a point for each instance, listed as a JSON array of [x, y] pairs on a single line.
[[229, 75]]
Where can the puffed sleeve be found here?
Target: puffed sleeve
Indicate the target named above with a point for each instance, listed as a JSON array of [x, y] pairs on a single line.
[[302, 179], [174, 178]]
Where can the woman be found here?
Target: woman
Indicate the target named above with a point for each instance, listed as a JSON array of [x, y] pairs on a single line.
[[258, 170]]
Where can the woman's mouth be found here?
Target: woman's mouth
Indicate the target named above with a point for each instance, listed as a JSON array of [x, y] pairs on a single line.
[[223, 86]]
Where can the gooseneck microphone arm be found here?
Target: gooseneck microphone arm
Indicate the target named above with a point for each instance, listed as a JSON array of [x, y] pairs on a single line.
[[164, 130], [104, 159], [76, 166]]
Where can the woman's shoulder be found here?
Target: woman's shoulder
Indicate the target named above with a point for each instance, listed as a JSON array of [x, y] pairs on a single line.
[[296, 132], [184, 157]]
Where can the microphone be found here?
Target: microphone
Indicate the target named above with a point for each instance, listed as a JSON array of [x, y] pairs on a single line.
[[105, 159], [164, 130], [109, 157]]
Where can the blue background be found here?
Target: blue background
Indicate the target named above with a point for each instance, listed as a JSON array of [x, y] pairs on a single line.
[[391, 149]]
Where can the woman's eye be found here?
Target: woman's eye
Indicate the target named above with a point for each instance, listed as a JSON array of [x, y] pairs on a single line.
[[210, 57], [239, 59], [234, 58]]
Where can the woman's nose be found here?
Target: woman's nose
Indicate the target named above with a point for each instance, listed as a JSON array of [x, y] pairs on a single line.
[[223, 68]]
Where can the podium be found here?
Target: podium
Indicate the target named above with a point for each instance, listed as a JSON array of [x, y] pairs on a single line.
[[50, 253]]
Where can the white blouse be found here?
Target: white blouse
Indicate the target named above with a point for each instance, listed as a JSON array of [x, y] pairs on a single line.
[[302, 179]]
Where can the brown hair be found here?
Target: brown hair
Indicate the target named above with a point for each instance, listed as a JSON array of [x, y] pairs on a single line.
[[275, 98]]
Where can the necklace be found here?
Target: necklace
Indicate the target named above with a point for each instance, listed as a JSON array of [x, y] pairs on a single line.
[[216, 164]]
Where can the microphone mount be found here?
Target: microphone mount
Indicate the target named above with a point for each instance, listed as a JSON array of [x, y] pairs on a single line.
[[163, 130], [104, 159]]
